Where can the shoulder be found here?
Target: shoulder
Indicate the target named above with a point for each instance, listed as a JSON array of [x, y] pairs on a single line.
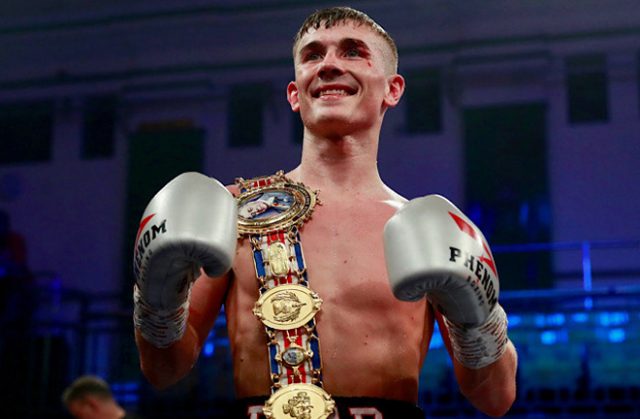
[[394, 199]]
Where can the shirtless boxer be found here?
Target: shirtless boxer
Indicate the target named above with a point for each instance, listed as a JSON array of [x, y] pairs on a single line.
[[371, 343]]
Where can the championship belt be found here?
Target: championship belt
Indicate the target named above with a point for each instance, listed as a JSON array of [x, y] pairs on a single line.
[[271, 210]]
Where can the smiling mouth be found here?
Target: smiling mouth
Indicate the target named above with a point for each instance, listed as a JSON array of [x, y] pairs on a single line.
[[334, 92]]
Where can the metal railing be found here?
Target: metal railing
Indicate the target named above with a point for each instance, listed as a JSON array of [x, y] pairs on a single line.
[[86, 320], [586, 271]]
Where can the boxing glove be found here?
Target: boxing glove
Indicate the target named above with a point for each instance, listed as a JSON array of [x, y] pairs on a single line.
[[190, 224], [433, 249]]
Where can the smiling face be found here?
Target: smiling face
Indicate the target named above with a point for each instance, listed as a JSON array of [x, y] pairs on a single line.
[[345, 79]]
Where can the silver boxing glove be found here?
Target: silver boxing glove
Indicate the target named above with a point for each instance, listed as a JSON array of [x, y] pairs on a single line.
[[433, 249], [191, 223]]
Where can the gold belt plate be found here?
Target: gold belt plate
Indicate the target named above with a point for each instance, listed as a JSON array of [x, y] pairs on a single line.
[[287, 307], [299, 401], [275, 207]]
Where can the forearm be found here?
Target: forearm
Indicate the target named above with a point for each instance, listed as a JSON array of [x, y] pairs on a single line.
[[491, 389], [164, 367]]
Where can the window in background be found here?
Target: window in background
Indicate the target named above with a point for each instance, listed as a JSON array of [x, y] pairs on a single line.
[[26, 132], [246, 104], [98, 135], [423, 99], [587, 88]]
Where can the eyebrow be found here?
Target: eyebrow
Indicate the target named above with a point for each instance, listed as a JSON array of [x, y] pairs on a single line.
[[352, 42], [311, 46], [343, 43]]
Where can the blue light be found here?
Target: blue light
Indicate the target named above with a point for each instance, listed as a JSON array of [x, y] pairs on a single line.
[[436, 341], [524, 214], [587, 279], [514, 320], [613, 318], [580, 317], [586, 273], [603, 319], [127, 386], [548, 337], [222, 341], [617, 335], [209, 347], [556, 319], [128, 398], [221, 321]]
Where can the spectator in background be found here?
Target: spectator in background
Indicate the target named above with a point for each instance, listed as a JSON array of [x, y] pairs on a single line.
[[15, 278], [17, 304], [90, 397]]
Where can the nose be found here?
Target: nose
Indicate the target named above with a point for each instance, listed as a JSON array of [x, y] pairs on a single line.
[[329, 67]]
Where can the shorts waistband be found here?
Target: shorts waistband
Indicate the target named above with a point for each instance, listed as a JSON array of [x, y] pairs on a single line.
[[347, 408]]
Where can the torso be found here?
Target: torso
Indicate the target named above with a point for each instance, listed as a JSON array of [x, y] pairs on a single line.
[[371, 344]]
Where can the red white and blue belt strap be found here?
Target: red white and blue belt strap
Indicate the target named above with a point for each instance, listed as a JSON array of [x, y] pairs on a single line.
[[271, 211]]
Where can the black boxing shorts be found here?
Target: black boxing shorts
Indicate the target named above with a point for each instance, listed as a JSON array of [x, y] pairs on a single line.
[[348, 408]]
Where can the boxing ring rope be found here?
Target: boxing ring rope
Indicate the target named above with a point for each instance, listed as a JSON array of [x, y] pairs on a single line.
[[585, 248]]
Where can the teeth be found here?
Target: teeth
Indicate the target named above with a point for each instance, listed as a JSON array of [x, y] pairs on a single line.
[[339, 92]]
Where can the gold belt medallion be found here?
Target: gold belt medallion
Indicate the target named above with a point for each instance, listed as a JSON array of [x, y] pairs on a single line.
[[275, 207], [287, 307], [278, 258], [299, 401]]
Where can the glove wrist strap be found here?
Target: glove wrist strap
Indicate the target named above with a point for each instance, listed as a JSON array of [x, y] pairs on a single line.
[[477, 347], [161, 328]]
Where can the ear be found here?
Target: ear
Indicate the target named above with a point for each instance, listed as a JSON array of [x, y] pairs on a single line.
[[292, 96], [92, 403], [395, 89]]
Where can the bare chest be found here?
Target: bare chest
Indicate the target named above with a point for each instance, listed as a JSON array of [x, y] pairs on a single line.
[[344, 256], [344, 252]]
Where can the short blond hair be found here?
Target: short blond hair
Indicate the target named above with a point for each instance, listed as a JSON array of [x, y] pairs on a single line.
[[329, 17]]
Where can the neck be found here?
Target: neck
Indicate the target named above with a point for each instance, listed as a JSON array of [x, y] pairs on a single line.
[[339, 166]]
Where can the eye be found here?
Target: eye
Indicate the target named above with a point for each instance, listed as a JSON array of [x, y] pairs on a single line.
[[352, 52], [312, 56]]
